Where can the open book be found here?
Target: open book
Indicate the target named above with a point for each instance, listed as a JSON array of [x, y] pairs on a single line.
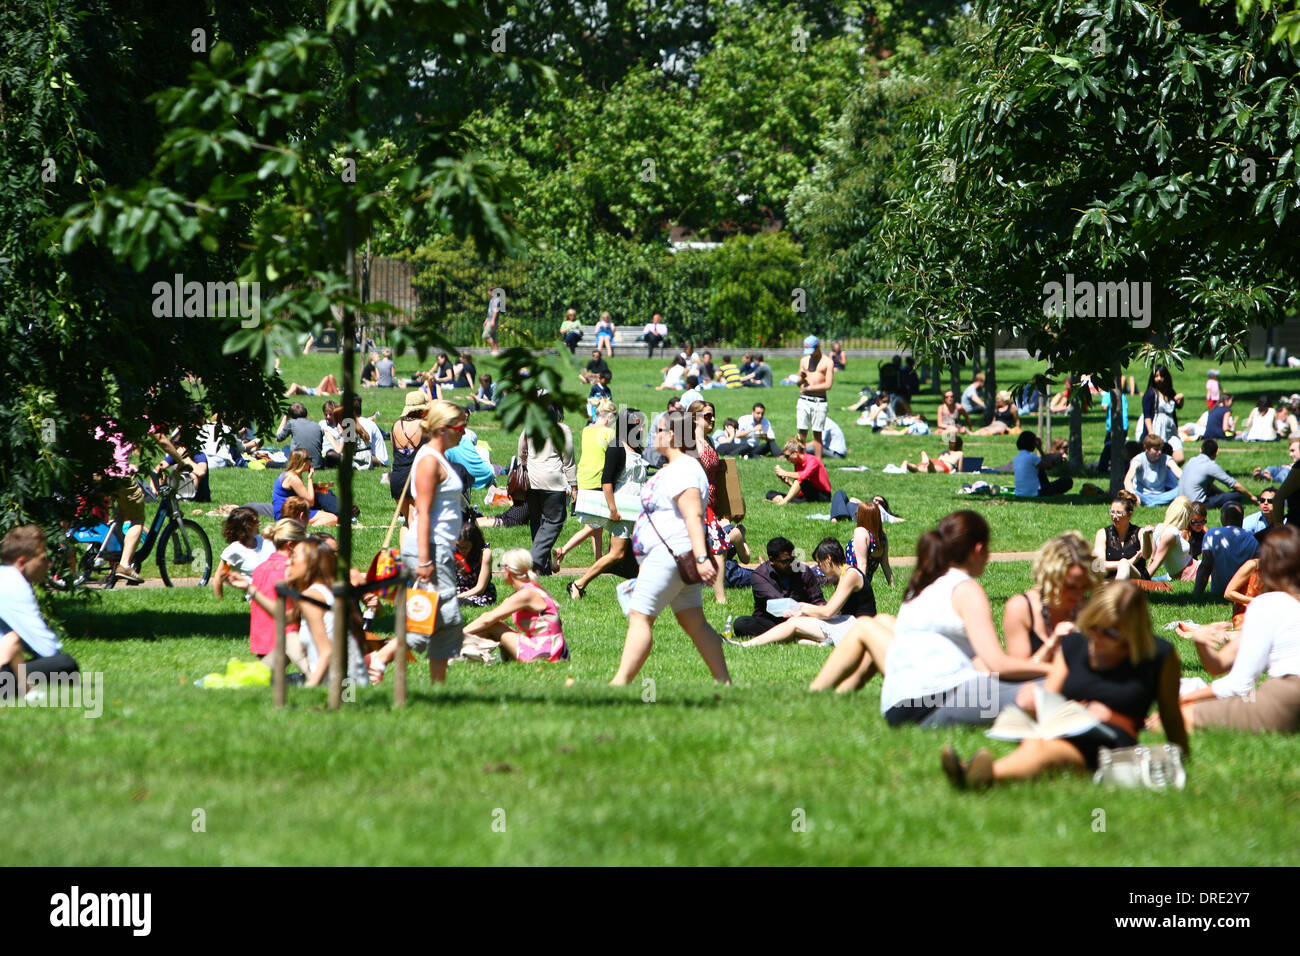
[[1057, 717]]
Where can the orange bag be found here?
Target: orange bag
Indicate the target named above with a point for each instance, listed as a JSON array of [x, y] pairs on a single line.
[[421, 611]]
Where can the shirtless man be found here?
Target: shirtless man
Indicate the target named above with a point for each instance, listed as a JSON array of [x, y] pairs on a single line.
[[816, 375]]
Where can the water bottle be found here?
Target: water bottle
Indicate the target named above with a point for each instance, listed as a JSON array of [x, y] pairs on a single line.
[[367, 619], [727, 630]]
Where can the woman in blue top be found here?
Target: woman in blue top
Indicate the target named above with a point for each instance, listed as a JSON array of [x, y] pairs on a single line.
[[605, 334], [296, 479]]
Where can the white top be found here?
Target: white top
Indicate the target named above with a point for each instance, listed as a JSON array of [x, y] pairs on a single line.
[[765, 430], [659, 500], [1270, 643], [19, 612], [356, 663], [931, 653], [690, 396], [834, 440], [444, 522], [1260, 426], [244, 559], [674, 374], [1179, 555]]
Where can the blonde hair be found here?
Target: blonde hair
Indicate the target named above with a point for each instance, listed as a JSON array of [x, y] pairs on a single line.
[[299, 461], [1121, 606], [606, 409], [792, 446], [441, 414], [1003, 396], [1179, 513], [286, 529], [1055, 559], [519, 561]]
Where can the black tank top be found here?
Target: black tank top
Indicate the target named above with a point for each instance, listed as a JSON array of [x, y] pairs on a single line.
[[1125, 689], [1128, 548], [862, 602]]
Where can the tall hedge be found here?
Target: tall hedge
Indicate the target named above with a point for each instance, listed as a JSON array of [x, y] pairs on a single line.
[[743, 293]]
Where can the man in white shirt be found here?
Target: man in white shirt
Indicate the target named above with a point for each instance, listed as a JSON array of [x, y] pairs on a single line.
[[835, 444], [972, 399], [757, 433], [23, 632], [655, 333]]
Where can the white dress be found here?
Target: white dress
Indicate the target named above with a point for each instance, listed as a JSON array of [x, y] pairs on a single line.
[[1260, 427]]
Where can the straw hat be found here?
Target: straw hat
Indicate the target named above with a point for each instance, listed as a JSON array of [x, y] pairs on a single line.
[[415, 402]]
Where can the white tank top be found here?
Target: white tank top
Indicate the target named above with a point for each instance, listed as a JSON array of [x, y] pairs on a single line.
[[444, 522], [931, 652], [1179, 554]]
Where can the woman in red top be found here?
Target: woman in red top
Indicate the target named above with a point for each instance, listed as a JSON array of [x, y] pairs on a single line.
[[704, 415]]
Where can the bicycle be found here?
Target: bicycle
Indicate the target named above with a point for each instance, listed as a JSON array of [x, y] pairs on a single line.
[[184, 550]]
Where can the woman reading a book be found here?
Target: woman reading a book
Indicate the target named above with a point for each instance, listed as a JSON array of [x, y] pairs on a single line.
[[1117, 668]]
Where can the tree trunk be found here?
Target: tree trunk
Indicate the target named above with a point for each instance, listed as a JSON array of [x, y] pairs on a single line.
[[954, 377], [347, 335], [990, 376], [1076, 437], [1118, 430]]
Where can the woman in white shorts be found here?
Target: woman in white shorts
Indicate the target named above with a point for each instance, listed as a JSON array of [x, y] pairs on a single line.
[[823, 625], [671, 523]]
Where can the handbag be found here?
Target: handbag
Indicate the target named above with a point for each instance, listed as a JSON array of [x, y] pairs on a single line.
[[388, 562], [518, 485], [687, 566], [1152, 768]]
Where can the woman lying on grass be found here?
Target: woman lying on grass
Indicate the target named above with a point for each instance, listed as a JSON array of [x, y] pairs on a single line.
[[937, 656], [821, 624], [950, 461], [526, 624], [1114, 664]]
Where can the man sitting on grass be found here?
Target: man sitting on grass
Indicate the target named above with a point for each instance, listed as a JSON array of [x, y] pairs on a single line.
[[1223, 551], [808, 482], [777, 578], [23, 562], [1152, 475]]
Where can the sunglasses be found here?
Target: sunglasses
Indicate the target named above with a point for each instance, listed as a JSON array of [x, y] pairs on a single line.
[[457, 428], [1110, 634]]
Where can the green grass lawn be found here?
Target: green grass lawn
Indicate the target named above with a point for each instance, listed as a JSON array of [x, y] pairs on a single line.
[[509, 764]]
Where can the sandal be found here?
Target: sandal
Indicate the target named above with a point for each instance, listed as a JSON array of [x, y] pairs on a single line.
[[576, 593], [953, 767], [557, 555]]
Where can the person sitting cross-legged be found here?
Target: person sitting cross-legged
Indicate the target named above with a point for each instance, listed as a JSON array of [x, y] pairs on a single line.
[[526, 624], [1152, 475]]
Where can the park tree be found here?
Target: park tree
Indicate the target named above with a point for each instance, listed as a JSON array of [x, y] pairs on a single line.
[[82, 343], [293, 132], [1149, 149]]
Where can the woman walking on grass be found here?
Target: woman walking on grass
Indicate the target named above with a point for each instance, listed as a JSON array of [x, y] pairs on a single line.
[[671, 523], [624, 471], [429, 552]]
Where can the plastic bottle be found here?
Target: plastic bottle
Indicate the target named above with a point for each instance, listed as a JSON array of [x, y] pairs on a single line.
[[727, 630]]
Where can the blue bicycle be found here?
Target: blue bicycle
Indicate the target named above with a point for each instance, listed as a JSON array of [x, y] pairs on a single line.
[[184, 551]]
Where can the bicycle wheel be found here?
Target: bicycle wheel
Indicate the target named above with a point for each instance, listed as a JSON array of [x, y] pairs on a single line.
[[184, 552]]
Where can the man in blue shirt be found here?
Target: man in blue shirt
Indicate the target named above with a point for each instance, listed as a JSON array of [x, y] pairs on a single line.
[[1261, 518], [1031, 479], [1224, 550], [23, 632], [1200, 474]]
